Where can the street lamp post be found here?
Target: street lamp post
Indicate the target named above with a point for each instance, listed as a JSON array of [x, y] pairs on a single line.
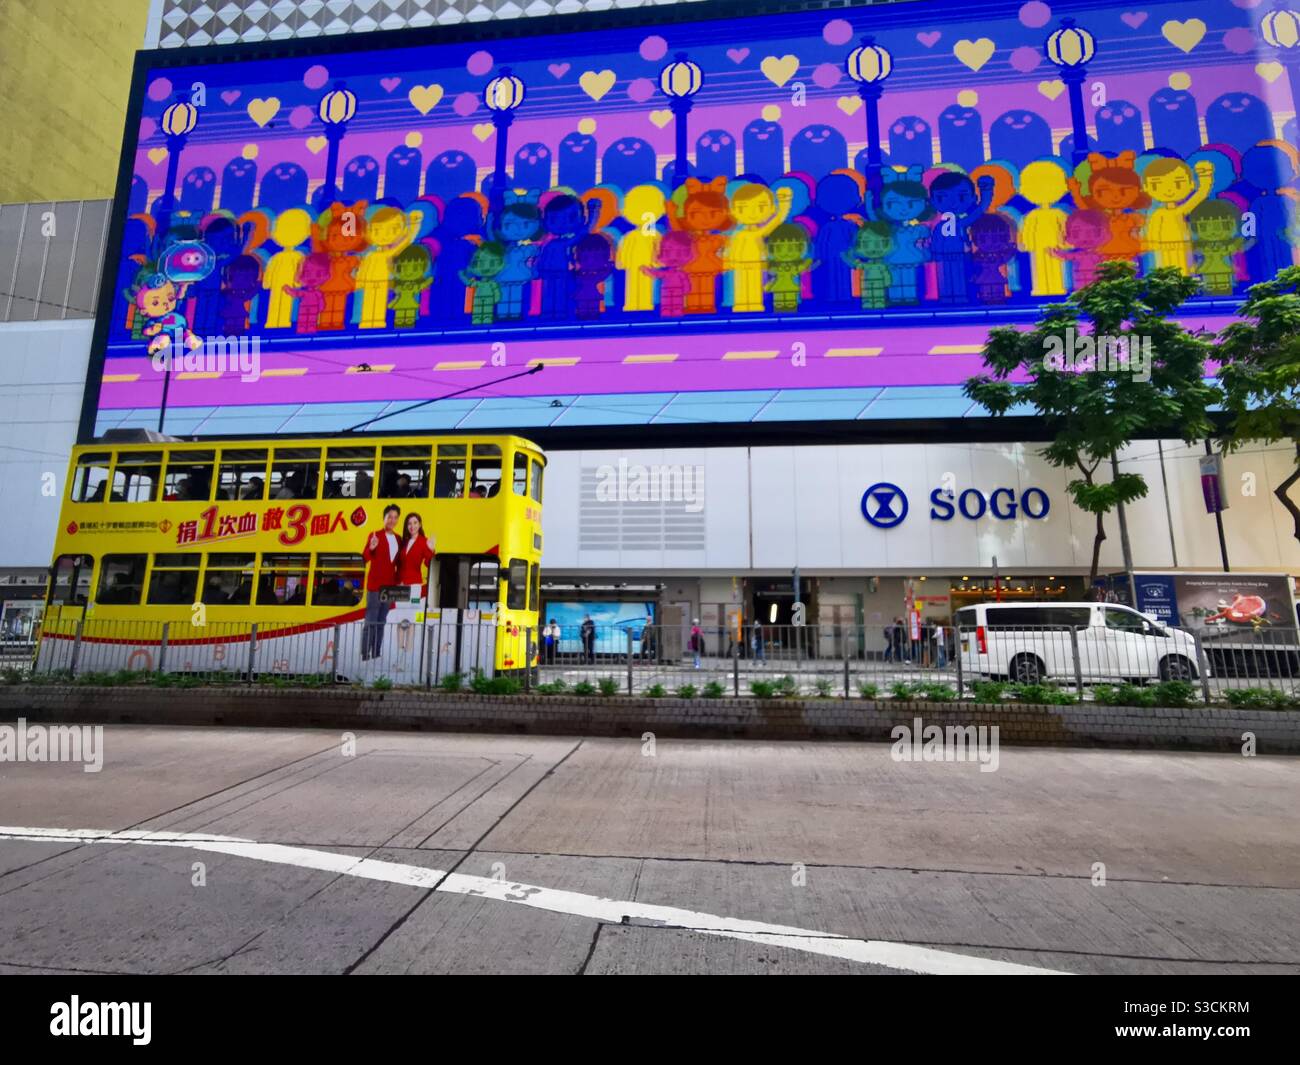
[[869, 65], [336, 109], [503, 95], [1070, 49], [1281, 29], [178, 122], [680, 80]]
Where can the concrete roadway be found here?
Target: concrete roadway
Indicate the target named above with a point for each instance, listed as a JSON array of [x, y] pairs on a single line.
[[482, 854]]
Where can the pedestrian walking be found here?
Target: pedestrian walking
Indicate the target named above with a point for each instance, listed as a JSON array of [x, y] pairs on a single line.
[[696, 641], [588, 636], [550, 641]]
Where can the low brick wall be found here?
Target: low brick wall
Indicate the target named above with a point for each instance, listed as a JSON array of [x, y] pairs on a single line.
[[1196, 728]]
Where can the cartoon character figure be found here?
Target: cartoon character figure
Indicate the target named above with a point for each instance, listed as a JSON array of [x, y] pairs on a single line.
[[953, 198], [389, 232], [675, 251], [519, 223], [312, 274], [993, 246], [156, 298], [704, 214], [874, 242], [837, 195], [1271, 172], [565, 223], [1114, 188], [593, 261], [481, 274], [226, 240], [904, 205], [787, 262], [410, 279], [243, 275], [291, 228], [1087, 231], [1172, 184], [462, 218], [643, 206], [1216, 240], [340, 233], [1042, 234], [756, 217]]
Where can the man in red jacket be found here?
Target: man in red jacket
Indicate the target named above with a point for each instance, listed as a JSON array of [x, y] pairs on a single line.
[[381, 553]]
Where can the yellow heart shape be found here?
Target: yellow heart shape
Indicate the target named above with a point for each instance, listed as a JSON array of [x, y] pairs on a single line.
[[157, 155], [482, 131], [661, 118], [779, 70], [974, 53], [596, 83], [1270, 72], [315, 144], [1185, 35], [1051, 89], [424, 98], [262, 111], [849, 104]]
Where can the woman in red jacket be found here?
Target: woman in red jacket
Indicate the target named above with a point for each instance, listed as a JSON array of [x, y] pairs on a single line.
[[416, 557]]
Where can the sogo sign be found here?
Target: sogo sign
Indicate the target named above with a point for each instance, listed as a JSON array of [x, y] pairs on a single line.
[[884, 505]]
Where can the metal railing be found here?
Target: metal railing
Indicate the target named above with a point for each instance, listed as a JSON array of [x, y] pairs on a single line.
[[1041, 663], [396, 653]]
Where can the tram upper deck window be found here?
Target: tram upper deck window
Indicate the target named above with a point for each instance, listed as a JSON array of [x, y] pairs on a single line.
[[485, 471], [242, 474], [520, 484], [137, 476], [449, 474], [350, 473], [189, 476], [294, 471], [90, 481], [404, 472], [536, 492]]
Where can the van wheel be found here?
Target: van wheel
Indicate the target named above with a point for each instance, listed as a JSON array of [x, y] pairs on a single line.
[[1176, 667], [1026, 669]]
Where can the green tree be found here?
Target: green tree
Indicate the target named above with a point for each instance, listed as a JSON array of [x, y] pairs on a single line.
[[1259, 374], [1093, 407]]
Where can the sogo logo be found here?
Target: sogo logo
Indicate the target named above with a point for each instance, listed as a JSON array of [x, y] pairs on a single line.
[[884, 505]]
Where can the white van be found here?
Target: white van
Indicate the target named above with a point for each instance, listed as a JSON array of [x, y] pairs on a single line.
[[1030, 642]]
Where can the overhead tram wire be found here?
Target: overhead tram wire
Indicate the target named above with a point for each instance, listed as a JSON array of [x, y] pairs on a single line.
[[450, 395]]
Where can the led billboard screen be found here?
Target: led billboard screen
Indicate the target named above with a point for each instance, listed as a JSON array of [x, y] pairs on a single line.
[[681, 220]]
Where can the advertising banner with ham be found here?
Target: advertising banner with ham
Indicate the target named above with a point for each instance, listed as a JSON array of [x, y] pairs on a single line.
[[1230, 602]]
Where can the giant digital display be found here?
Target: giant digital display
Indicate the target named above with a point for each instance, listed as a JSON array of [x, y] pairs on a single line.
[[684, 221]]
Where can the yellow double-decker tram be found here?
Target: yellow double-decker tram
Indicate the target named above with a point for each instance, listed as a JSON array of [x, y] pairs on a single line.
[[247, 557]]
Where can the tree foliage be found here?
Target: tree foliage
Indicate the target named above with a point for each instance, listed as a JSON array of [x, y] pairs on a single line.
[[1094, 408], [1259, 373]]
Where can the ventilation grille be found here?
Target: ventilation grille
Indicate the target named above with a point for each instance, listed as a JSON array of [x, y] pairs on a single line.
[[613, 516]]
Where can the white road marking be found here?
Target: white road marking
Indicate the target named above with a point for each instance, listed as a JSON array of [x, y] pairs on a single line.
[[614, 911]]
